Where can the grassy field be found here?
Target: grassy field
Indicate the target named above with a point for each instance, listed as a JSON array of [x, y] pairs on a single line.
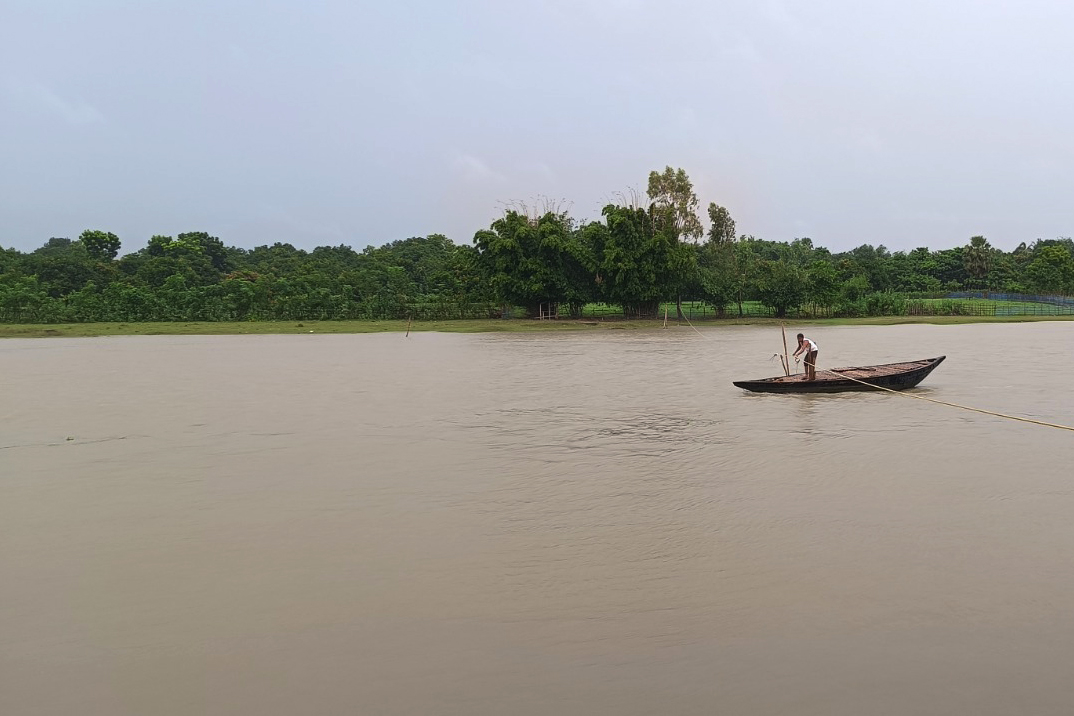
[[754, 310], [693, 309], [1000, 308], [78, 330]]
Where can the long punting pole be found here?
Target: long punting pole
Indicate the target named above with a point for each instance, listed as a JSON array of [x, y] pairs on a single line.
[[786, 356]]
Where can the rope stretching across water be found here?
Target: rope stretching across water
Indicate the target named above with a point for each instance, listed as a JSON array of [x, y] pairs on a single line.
[[931, 400], [955, 405]]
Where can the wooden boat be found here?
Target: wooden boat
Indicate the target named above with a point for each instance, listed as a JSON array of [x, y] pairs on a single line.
[[895, 376]]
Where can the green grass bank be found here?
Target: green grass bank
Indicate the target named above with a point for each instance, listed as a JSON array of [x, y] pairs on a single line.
[[87, 330]]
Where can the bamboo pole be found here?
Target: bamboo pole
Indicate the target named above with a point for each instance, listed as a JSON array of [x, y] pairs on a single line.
[[665, 316], [408, 320], [786, 355]]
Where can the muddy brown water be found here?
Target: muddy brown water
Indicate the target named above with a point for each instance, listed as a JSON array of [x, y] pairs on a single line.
[[572, 523]]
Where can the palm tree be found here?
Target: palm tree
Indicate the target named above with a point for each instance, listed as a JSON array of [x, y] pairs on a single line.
[[977, 258]]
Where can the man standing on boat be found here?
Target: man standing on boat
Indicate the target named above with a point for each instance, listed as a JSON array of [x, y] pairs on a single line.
[[811, 350]]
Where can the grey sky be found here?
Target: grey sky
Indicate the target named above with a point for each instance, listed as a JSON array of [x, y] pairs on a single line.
[[908, 124]]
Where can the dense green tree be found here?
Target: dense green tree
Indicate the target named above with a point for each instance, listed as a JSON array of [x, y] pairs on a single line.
[[61, 266], [1052, 271], [718, 282], [23, 299], [101, 245], [874, 263], [822, 284], [717, 261], [780, 286], [56, 244], [722, 226], [630, 258], [210, 247], [673, 208], [746, 262], [532, 261], [202, 258], [855, 288], [432, 263], [977, 258], [1004, 273], [950, 268], [280, 259], [10, 260], [674, 204], [801, 252], [643, 251]]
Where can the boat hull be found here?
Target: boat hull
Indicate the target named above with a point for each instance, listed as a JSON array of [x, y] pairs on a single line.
[[893, 376]]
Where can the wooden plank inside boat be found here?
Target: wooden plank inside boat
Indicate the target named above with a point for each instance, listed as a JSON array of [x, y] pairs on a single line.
[[861, 373]]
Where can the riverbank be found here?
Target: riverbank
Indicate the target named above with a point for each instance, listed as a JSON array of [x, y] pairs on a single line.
[[87, 330]]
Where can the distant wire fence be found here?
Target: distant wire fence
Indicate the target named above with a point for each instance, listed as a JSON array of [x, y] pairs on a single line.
[[956, 307], [144, 308], [872, 305], [694, 310], [428, 311], [152, 309], [1015, 297]]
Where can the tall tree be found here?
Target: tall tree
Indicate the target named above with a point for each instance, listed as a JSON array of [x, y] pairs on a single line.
[[54, 245], [977, 258], [673, 206], [717, 282], [718, 260], [101, 245], [780, 286], [210, 246], [63, 266], [1052, 271], [637, 265], [675, 203], [532, 260], [722, 228], [822, 284]]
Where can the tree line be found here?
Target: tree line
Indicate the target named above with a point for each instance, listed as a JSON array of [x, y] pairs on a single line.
[[645, 249]]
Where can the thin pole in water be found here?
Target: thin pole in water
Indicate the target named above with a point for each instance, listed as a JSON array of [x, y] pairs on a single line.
[[408, 320], [786, 356]]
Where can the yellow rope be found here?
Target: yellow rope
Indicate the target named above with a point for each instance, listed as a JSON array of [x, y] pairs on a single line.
[[692, 325], [955, 405]]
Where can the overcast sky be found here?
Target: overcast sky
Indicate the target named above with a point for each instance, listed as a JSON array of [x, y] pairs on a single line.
[[907, 124]]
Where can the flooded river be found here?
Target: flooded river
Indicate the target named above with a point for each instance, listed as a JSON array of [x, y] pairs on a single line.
[[570, 523]]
